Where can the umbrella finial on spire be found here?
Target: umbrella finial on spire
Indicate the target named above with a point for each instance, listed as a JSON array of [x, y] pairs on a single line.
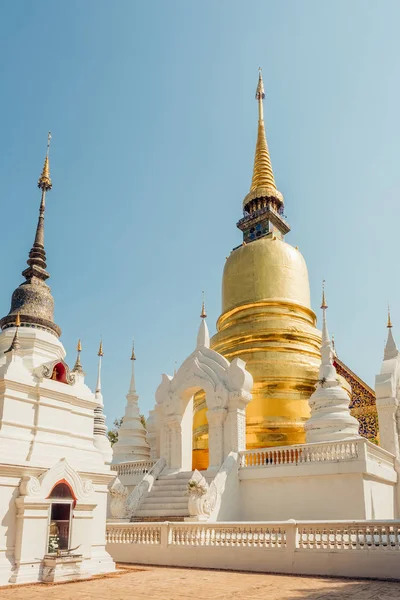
[[203, 308], [389, 320], [324, 305]]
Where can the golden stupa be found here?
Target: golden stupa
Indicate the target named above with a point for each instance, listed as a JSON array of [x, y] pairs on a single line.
[[266, 318]]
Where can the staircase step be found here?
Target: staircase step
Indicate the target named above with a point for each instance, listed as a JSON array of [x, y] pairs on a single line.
[[162, 519], [183, 506], [181, 475], [157, 499], [142, 512]]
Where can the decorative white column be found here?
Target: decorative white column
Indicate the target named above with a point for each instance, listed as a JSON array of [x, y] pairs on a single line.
[[387, 401], [216, 419], [132, 444], [330, 418], [101, 440]]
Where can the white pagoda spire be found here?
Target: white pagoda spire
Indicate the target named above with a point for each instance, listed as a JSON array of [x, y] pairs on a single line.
[[101, 440], [203, 336], [132, 444], [390, 348], [330, 418]]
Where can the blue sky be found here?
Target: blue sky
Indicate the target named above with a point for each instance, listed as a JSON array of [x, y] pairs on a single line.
[[152, 111]]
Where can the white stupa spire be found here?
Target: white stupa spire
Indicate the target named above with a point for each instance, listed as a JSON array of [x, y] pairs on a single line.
[[390, 347], [203, 336], [101, 440], [330, 418], [132, 444]]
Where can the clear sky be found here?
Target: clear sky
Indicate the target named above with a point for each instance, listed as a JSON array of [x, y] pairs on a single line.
[[152, 111]]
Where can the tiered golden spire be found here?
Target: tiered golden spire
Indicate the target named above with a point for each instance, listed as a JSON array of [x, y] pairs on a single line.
[[15, 344], [77, 366], [100, 352], [389, 320], [263, 175], [323, 303], [44, 182], [203, 308], [133, 356]]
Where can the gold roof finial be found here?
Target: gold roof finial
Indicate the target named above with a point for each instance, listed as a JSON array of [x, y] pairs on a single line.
[[15, 344], [203, 308], [133, 356], [389, 320], [77, 366], [263, 175], [100, 352], [323, 304], [44, 182]]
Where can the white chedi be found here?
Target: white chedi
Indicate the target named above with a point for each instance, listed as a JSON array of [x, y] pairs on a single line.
[[132, 444], [330, 418]]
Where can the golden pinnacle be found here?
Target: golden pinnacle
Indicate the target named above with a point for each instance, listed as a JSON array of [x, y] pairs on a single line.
[[17, 320], [133, 356], [389, 321], [79, 346], [44, 182], [100, 352], [323, 304], [203, 308]]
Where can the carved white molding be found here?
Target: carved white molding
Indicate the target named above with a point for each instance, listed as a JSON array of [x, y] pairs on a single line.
[[202, 497], [227, 387], [118, 493], [137, 496], [46, 371], [41, 487]]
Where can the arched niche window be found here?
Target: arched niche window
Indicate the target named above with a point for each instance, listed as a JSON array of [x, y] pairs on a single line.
[[59, 373], [61, 490], [60, 517]]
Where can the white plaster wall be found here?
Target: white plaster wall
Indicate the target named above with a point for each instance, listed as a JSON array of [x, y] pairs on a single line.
[[8, 494], [380, 499], [303, 498]]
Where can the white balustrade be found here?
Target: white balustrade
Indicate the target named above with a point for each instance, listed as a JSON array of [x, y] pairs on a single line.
[[350, 536], [295, 455], [232, 535], [369, 549], [139, 467], [133, 534]]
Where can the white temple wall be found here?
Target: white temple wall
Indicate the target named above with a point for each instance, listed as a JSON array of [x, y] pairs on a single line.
[[380, 499], [331, 496], [45, 429], [8, 510]]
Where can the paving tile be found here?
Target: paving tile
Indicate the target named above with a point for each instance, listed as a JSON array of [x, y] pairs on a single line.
[[157, 583]]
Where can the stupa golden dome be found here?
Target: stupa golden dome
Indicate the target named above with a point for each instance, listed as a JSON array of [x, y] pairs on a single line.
[[266, 317]]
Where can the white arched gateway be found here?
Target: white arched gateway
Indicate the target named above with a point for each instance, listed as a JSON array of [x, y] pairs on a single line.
[[228, 390]]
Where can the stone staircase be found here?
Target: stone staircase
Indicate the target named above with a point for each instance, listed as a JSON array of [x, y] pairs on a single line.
[[167, 500]]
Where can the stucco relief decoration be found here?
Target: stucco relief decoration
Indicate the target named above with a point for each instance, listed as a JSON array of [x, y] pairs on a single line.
[[58, 370], [202, 497], [41, 487], [118, 493]]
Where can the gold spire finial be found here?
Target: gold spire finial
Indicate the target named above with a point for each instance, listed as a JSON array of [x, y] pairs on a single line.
[[203, 308], [44, 182], [77, 366], [133, 356], [18, 320], [100, 352], [389, 320], [263, 176], [323, 304]]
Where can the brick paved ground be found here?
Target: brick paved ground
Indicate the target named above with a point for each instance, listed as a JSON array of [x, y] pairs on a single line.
[[156, 583]]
